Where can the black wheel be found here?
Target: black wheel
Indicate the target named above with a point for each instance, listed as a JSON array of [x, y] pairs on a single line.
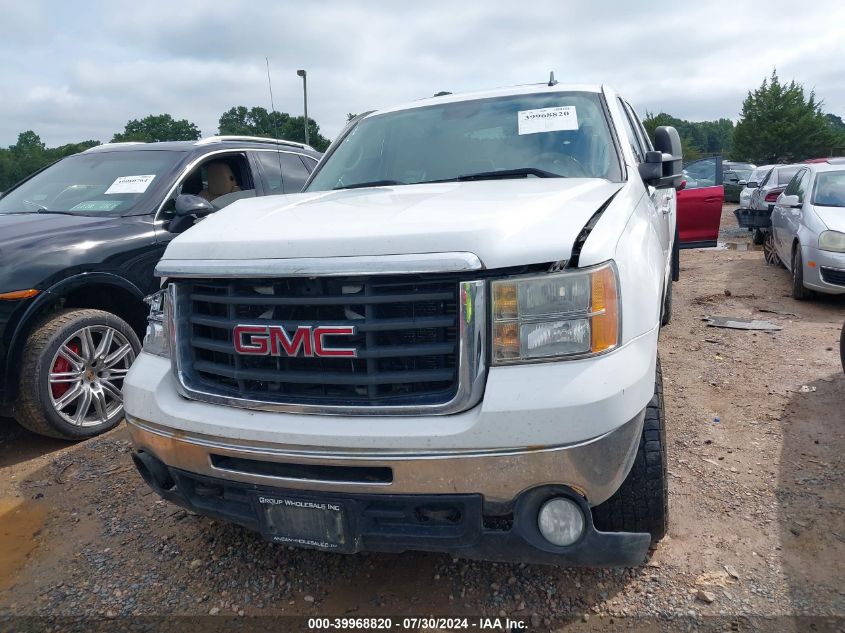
[[798, 290], [769, 251], [642, 502], [72, 373], [758, 238]]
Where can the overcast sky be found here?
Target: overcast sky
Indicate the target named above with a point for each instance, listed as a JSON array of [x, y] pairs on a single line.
[[79, 70]]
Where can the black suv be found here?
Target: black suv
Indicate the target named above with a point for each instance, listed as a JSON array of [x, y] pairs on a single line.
[[78, 243]]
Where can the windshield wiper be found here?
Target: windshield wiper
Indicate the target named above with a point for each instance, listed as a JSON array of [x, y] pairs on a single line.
[[372, 183], [521, 172]]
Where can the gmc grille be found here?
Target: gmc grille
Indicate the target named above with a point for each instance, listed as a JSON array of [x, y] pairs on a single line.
[[406, 337]]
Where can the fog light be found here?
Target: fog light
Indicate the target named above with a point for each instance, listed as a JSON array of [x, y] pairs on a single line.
[[561, 521]]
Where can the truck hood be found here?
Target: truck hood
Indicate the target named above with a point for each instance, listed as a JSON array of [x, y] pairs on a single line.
[[503, 222]]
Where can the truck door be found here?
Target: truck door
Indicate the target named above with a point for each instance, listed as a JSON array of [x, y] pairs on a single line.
[[700, 203]]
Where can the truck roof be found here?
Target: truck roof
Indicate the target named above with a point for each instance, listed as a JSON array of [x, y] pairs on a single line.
[[495, 92]]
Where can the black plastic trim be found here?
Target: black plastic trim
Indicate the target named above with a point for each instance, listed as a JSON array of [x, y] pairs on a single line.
[[454, 523], [700, 244]]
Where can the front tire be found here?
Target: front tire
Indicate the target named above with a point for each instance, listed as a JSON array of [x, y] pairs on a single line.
[[642, 502], [72, 373], [769, 251]]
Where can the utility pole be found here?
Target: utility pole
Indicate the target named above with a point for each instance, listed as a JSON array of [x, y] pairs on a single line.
[[303, 74]]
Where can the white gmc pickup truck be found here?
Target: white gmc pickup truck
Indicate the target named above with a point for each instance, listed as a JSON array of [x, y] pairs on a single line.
[[447, 342]]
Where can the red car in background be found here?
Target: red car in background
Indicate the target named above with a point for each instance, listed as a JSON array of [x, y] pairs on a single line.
[[700, 203]]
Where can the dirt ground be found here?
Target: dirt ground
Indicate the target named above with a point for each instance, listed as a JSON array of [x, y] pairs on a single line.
[[756, 439]]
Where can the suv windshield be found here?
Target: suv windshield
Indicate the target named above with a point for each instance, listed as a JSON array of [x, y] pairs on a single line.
[[91, 184], [562, 134]]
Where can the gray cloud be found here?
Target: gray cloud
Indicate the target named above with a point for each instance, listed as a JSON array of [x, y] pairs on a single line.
[[80, 71]]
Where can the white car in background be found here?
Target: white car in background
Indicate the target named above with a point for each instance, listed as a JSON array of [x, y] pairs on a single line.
[[808, 228], [751, 184]]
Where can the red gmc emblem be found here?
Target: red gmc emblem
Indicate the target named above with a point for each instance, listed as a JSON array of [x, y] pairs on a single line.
[[274, 340]]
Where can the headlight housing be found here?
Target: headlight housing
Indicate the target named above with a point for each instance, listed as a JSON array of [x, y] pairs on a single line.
[[832, 241], [157, 338], [554, 316]]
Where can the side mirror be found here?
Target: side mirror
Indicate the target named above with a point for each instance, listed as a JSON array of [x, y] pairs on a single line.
[[789, 201], [193, 205], [667, 142], [681, 185], [652, 169], [742, 183], [752, 185], [188, 209]]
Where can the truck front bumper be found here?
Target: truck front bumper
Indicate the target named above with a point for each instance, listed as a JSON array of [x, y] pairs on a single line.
[[595, 469], [427, 503]]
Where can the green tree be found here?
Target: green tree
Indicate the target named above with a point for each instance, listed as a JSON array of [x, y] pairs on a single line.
[[258, 121], [30, 154], [294, 130], [698, 138], [837, 126], [26, 156], [252, 122], [161, 127], [779, 123], [691, 150]]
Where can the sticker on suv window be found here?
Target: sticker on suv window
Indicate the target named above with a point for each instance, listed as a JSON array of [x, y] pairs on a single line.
[[130, 184], [97, 205], [547, 120]]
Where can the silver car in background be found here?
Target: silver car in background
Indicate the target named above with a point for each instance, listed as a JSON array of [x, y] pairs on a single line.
[[751, 184], [763, 198], [808, 228]]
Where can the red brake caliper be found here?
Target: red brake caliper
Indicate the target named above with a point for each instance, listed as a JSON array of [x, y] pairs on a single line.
[[63, 365]]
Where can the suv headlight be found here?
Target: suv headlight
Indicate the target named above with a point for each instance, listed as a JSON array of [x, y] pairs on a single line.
[[555, 316], [832, 241], [157, 339]]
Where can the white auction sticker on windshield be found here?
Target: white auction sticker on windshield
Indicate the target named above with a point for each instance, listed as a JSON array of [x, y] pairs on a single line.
[[547, 120], [130, 184]]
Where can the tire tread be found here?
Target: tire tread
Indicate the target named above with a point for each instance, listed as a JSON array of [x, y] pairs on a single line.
[[642, 502], [28, 409]]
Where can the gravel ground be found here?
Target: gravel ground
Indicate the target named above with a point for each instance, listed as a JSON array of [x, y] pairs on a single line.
[[756, 444]]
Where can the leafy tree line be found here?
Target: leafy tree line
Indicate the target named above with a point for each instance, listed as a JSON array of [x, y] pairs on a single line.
[[29, 153], [779, 123]]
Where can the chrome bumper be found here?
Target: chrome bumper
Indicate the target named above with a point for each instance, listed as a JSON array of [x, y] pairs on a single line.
[[595, 468]]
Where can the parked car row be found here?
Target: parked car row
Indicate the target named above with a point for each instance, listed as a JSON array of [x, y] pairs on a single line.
[[796, 213]]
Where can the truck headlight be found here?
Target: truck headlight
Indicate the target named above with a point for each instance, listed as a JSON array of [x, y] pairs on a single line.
[[556, 315], [157, 339], [832, 241]]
